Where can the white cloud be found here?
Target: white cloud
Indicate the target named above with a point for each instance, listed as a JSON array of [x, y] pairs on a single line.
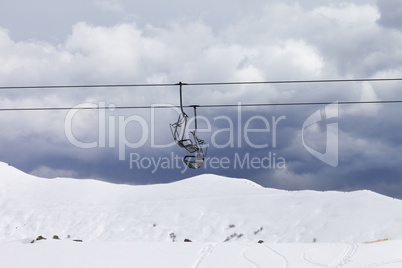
[[276, 41], [349, 15], [366, 93]]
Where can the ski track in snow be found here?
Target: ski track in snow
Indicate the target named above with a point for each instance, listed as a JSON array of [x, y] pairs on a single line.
[[256, 255], [309, 260], [284, 259], [397, 262], [342, 260], [248, 259], [204, 253], [307, 257], [382, 263], [350, 251]]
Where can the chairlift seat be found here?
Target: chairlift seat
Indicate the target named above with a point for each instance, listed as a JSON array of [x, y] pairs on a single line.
[[188, 145], [194, 162]]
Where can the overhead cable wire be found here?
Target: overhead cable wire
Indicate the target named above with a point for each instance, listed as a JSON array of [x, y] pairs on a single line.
[[198, 106], [201, 83], [295, 81]]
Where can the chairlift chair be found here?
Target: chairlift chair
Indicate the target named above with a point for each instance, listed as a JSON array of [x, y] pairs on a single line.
[[196, 145], [196, 161]]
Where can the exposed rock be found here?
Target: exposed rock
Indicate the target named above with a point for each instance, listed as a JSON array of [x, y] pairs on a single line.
[[41, 238]]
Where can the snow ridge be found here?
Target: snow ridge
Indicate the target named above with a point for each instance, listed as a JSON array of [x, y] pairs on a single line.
[[206, 208]]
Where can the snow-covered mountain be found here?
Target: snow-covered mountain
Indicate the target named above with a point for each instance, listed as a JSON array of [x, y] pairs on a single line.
[[206, 208]]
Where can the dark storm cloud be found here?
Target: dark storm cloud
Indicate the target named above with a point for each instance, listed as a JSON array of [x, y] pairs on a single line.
[[118, 42], [391, 13]]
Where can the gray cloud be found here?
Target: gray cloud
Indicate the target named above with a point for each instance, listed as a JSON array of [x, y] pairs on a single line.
[[391, 13], [142, 42]]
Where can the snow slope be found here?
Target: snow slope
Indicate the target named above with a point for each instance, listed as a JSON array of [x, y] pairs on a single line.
[[206, 208], [134, 226], [199, 255]]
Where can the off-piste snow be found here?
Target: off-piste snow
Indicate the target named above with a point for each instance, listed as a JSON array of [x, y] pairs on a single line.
[[227, 222]]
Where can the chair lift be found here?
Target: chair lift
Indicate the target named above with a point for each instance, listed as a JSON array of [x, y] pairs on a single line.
[[196, 145]]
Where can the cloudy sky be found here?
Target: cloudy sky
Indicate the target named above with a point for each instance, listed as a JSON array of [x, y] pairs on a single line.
[[98, 42]]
